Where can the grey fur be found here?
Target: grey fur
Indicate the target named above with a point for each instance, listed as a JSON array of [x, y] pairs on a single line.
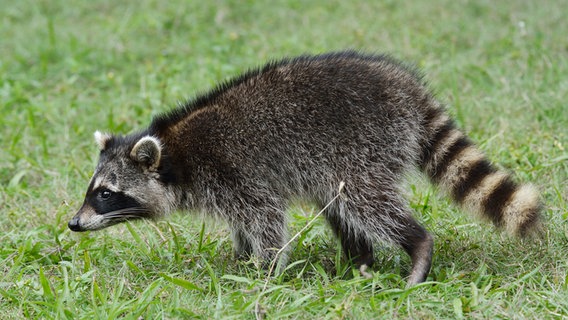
[[295, 129]]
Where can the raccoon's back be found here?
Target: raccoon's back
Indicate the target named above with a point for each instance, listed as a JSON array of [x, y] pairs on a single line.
[[303, 121], [314, 120]]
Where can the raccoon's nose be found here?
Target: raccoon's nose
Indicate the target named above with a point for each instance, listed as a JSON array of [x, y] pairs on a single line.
[[74, 224]]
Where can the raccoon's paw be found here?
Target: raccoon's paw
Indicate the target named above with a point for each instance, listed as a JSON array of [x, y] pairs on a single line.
[[364, 273]]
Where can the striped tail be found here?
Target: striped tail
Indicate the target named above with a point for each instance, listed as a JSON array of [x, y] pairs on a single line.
[[453, 162]]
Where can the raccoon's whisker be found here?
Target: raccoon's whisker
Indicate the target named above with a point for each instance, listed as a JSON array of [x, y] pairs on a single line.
[[127, 213], [115, 216], [122, 218], [125, 217]]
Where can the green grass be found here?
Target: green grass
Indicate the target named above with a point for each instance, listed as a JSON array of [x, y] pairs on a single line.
[[68, 68]]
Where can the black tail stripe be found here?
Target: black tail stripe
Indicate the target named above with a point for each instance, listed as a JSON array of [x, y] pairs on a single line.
[[475, 175], [498, 199], [451, 153], [431, 114], [442, 133]]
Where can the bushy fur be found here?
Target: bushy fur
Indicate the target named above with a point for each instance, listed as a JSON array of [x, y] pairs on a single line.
[[295, 129]]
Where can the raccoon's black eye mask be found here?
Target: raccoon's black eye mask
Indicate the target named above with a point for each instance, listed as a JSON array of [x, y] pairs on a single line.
[[105, 201]]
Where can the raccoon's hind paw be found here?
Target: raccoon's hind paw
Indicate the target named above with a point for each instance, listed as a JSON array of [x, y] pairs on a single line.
[[364, 273]]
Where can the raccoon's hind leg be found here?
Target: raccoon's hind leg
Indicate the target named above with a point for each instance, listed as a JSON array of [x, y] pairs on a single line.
[[355, 245], [400, 227], [375, 213], [418, 243]]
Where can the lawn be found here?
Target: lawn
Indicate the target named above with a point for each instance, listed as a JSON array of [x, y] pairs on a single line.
[[68, 68]]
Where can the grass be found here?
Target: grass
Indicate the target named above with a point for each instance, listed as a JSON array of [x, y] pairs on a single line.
[[68, 68]]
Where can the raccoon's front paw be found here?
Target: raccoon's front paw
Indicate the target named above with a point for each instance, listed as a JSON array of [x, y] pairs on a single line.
[[242, 255]]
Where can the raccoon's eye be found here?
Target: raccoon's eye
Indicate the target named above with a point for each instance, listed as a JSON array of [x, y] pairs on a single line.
[[105, 194]]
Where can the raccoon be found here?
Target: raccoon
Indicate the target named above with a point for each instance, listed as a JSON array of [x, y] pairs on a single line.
[[296, 129]]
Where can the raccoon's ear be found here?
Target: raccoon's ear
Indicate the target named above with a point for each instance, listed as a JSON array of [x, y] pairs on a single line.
[[147, 151], [101, 139]]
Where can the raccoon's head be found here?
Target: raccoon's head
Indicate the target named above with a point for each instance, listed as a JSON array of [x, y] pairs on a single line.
[[126, 184]]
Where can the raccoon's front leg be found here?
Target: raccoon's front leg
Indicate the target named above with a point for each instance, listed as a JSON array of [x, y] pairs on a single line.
[[261, 235], [241, 245]]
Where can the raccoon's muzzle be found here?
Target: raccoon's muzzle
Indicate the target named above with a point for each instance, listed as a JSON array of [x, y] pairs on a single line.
[[74, 225], [82, 219], [96, 214]]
